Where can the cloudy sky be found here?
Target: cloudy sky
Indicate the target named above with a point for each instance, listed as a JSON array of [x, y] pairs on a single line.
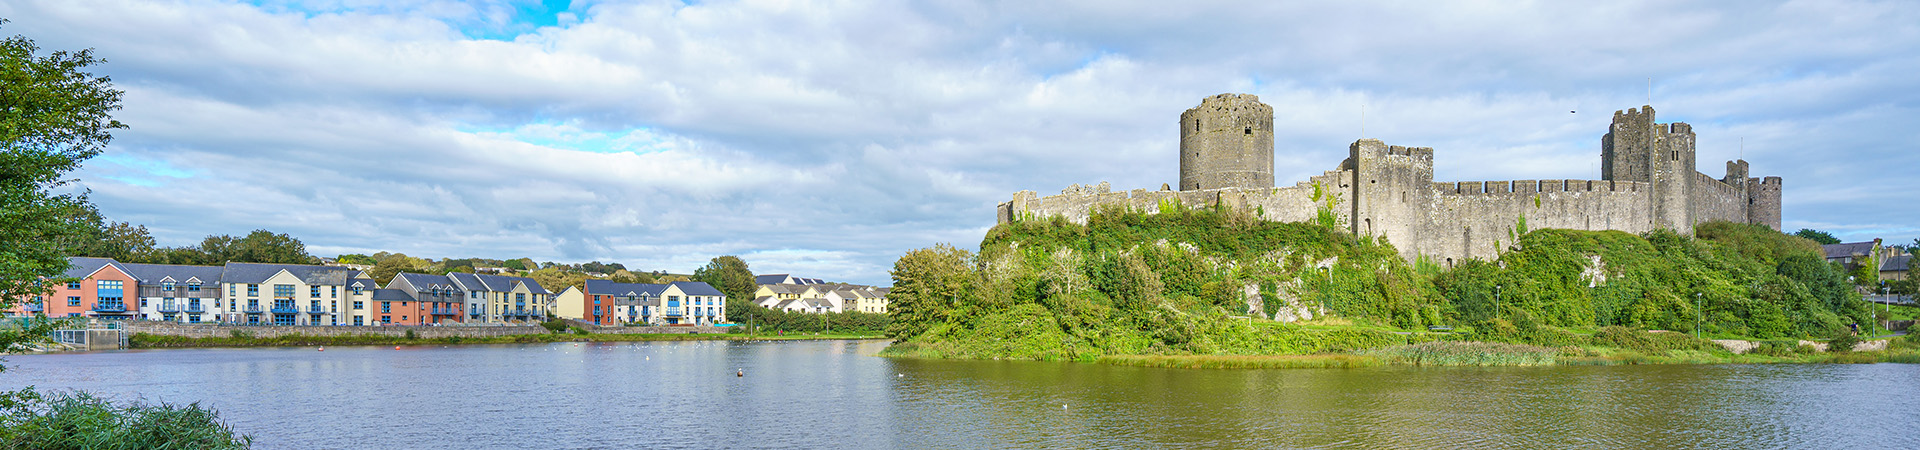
[[827, 138]]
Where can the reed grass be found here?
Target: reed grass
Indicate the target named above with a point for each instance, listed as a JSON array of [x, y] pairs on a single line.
[[1242, 361], [77, 420], [1459, 353]]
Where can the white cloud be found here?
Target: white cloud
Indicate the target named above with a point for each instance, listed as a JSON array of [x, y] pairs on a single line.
[[826, 138]]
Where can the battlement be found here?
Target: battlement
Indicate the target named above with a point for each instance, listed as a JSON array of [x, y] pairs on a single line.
[[1677, 128], [1642, 114], [1535, 186], [1773, 182]]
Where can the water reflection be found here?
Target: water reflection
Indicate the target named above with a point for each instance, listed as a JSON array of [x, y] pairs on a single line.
[[835, 394]]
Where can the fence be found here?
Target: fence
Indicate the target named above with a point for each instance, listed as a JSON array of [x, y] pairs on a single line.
[[91, 339]]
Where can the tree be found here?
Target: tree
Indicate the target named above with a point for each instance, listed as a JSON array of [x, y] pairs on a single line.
[[928, 284], [260, 246], [386, 269], [731, 276], [1822, 237], [53, 116]]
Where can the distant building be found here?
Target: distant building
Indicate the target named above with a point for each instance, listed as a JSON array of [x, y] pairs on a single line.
[[608, 303]]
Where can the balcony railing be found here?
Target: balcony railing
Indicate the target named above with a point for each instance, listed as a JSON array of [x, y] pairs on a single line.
[[35, 307], [446, 312], [110, 308], [672, 312], [255, 309], [316, 309], [278, 309], [169, 308], [196, 309]]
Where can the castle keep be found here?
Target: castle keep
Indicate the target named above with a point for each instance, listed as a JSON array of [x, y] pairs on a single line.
[[1648, 181]]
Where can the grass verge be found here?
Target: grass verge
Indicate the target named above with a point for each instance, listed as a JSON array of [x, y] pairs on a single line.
[[1242, 361], [1458, 353]]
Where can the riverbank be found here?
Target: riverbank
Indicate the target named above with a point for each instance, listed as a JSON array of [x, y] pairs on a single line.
[[1338, 347], [148, 341]]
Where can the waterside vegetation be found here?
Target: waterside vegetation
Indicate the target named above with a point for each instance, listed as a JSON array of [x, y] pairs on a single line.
[[1213, 287]]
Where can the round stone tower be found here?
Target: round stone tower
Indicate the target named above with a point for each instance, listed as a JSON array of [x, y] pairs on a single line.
[[1225, 142]]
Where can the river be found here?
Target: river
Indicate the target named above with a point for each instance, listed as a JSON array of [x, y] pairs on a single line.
[[836, 394]]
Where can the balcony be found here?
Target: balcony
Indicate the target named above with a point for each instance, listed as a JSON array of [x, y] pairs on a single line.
[[169, 308], [672, 312], [196, 309], [253, 309], [285, 309], [110, 308], [35, 307], [316, 309]]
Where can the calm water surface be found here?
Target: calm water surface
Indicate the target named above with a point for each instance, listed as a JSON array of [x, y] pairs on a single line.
[[835, 394]]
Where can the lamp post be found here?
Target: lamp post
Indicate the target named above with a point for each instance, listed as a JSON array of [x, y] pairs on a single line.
[[1498, 309], [1698, 313]]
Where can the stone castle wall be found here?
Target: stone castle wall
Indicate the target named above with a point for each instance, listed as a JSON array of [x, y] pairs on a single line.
[[1649, 182]]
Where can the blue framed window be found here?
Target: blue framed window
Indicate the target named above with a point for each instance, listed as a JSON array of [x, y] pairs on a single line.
[[359, 306], [193, 287], [253, 290], [315, 292], [386, 307], [333, 291], [283, 290], [73, 285], [73, 300]]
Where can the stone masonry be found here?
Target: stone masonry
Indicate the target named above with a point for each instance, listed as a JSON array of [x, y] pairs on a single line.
[[1648, 181]]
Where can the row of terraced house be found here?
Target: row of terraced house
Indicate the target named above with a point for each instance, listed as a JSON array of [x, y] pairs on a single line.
[[285, 294]]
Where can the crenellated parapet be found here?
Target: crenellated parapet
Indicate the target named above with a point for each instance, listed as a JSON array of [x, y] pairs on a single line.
[[1648, 181]]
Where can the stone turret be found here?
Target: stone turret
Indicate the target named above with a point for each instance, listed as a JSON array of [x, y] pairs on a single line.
[[1227, 142], [1636, 148]]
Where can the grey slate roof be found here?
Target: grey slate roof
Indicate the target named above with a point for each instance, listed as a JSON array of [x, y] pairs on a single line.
[[424, 282], [697, 288], [395, 295], [1842, 250], [608, 287], [156, 273], [1897, 264], [252, 273], [81, 266], [777, 278], [494, 283]]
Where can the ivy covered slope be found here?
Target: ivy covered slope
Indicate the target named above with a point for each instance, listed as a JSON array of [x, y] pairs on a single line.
[[1204, 281]]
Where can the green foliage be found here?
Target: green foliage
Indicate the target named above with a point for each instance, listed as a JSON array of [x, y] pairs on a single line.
[[1466, 354], [259, 246], [1242, 361], [1818, 236], [731, 276], [555, 326], [53, 116], [51, 421], [1844, 342], [928, 286], [1652, 343]]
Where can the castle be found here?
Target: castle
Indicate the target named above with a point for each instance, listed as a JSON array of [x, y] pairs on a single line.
[[1648, 181]]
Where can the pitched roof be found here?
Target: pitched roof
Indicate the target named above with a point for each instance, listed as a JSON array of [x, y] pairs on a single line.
[[157, 273], [608, 287], [777, 278], [423, 281], [1897, 264], [251, 273], [1843, 250], [697, 288], [391, 295], [494, 283], [82, 266]]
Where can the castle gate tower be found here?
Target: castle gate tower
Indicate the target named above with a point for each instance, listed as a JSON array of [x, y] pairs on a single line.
[[1226, 142], [1636, 148]]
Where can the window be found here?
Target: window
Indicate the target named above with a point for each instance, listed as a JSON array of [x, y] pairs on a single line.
[[253, 290], [519, 298], [143, 302], [358, 321], [230, 291], [193, 318], [356, 289], [167, 286], [359, 306], [193, 286], [386, 307], [73, 285], [386, 319], [73, 300], [315, 291], [283, 290], [333, 291]]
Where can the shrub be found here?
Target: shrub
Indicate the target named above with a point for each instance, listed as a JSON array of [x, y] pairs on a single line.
[[1466, 354], [411, 336], [555, 326], [52, 421], [1843, 343]]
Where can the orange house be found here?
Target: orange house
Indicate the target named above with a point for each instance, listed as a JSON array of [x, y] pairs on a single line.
[[100, 287]]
